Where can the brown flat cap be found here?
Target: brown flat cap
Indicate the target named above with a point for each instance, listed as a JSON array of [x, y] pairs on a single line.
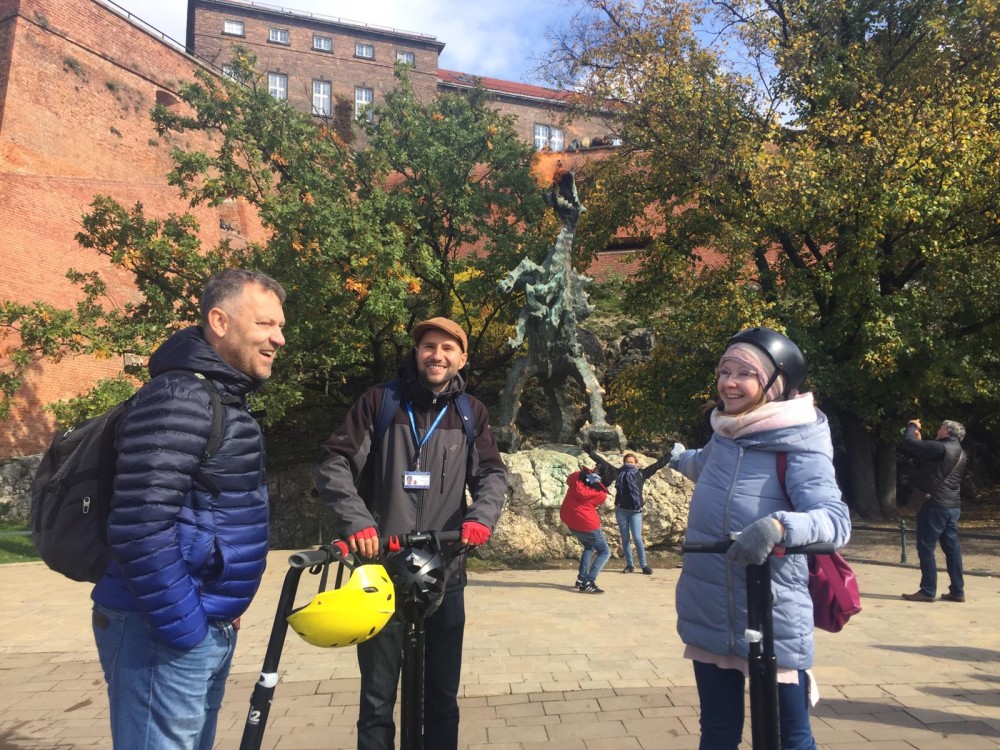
[[450, 327]]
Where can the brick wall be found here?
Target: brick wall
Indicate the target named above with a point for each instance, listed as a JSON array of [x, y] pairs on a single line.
[[74, 123]]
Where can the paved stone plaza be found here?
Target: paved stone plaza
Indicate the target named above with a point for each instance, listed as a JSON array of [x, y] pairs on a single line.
[[545, 667]]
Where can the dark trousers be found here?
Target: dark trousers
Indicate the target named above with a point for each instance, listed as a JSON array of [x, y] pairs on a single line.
[[936, 524], [381, 659], [721, 692]]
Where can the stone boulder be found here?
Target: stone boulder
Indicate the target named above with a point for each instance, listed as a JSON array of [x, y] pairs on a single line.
[[529, 528]]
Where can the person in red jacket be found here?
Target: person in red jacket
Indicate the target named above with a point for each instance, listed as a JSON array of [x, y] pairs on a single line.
[[579, 512]]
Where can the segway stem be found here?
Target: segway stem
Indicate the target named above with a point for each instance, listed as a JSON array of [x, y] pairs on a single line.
[[411, 710], [263, 692]]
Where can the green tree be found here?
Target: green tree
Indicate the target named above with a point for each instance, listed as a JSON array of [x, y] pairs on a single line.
[[458, 184], [826, 167]]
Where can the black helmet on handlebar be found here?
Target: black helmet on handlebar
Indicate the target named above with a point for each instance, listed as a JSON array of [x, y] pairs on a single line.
[[419, 578], [782, 351]]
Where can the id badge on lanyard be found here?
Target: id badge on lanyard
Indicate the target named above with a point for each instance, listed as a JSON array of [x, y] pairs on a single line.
[[416, 479]]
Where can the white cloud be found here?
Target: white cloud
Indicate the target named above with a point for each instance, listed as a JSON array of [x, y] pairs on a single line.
[[501, 40]]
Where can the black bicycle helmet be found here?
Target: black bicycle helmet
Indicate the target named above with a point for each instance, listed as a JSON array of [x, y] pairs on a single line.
[[782, 351], [418, 576]]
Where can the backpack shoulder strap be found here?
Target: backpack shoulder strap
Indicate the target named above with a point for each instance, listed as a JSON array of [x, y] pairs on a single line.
[[464, 407], [215, 436], [782, 460], [391, 396]]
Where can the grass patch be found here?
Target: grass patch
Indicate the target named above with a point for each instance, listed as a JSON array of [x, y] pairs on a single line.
[[16, 547]]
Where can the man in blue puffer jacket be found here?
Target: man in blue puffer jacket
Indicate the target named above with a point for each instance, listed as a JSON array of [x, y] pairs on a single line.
[[188, 537]]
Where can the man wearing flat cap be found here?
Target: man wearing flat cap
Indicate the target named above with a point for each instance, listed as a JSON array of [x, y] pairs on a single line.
[[412, 476]]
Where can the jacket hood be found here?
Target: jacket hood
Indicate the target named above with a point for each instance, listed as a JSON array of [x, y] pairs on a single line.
[[419, 394], [188, 350]]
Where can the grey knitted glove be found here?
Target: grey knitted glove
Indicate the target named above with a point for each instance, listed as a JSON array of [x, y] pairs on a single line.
[[675, 455], [755, 542]]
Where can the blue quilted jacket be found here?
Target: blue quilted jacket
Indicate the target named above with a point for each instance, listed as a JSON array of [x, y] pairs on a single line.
[[180, 555], [736, 482]]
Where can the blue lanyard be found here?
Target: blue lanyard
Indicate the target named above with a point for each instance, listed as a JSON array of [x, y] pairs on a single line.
[[413, 426]]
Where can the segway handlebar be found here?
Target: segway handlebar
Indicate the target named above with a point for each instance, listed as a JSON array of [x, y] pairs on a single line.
[[816, 548], [396, 542], [307, 558]]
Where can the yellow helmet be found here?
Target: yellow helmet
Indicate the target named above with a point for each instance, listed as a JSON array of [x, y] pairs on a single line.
[[352, 614]]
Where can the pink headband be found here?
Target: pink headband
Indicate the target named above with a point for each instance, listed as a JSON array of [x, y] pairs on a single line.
[[749, 355]]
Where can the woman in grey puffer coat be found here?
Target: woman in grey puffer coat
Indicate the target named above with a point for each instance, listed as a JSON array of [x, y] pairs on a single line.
[[738, 490]]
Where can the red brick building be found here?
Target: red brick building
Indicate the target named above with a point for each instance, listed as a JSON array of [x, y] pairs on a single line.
[[77, 81]]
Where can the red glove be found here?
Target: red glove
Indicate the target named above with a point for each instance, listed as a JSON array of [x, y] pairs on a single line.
[[475, 533], [370, 533], [365, 542]]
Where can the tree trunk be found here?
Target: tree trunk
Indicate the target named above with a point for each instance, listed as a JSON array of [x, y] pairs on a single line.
[[885, 477], [859, 467]]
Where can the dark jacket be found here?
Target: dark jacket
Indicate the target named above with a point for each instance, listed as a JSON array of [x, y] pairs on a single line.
[[628, 489], [942, 467], [182, 556], [363, 488]]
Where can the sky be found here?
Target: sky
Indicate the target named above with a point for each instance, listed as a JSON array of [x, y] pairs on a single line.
[[493, 39]]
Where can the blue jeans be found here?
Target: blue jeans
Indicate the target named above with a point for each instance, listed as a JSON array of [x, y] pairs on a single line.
[[596, 554], [721, 694], [630, 524], [936, 524], [381, 660], [162, 698]]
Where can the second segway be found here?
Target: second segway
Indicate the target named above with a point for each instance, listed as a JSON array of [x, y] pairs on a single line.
[[765, 723]]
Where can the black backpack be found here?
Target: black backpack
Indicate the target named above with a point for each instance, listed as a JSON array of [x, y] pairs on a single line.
[[71, 492]]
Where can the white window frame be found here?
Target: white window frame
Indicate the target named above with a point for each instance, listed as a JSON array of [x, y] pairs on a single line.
[[278, 36], [549, 136], [557, 139], [406, 57], [364, 98], [230, 25], [277, 85], [364, 50], [541, 136], [322, 43], [322, 98]]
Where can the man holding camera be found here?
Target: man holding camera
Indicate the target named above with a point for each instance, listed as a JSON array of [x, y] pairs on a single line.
[[942, 467]]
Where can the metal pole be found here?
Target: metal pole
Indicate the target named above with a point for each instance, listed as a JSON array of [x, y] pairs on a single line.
[[902, 540]]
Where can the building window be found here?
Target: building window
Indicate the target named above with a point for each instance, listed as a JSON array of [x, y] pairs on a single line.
[[278, 36], [547, 136], [277, 85], [405, 57], [322, 43], [363, 99], [321, 98], [366, 51], [233, 28]]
